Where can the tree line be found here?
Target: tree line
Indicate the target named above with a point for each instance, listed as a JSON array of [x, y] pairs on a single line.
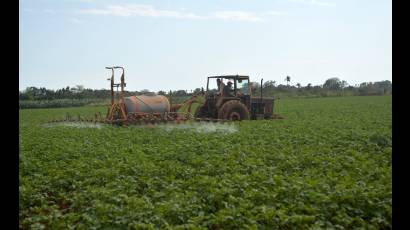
[[79, 92], [331, 87]]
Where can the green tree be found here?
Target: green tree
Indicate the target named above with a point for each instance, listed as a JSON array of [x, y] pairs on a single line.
[[29, 93], [80, 88], [343, 84], [269, 84], [255, 88], [197, 90], [332, 83], [287, 79]]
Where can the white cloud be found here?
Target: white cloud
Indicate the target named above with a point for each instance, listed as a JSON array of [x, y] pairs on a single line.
[[299, 1], [86, 1], [140, 10], [315, 2], [150, 11], [75, 20], [272, 12], [237, 16], [321, 3]]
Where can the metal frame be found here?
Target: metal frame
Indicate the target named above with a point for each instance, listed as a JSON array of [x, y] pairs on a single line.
[[117, 110], [122, 84]]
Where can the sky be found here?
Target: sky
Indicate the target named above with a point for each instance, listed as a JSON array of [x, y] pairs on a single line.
[[176, 44]]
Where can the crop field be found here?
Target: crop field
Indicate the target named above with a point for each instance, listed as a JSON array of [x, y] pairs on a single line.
[[327, 165]]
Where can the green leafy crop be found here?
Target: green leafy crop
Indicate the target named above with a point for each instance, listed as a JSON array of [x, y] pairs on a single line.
[[327, 165]]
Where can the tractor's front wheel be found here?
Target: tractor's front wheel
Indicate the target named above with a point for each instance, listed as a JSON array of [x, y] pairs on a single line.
[[233, 110], [201, 112]]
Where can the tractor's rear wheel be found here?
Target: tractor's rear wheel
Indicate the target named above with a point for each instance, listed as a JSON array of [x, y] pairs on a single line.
[[233, 110]]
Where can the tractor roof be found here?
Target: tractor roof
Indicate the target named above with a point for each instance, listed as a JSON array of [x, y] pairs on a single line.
[[242, 77]]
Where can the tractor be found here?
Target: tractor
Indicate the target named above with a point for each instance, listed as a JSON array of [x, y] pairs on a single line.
[[221, 104], [237, 104]]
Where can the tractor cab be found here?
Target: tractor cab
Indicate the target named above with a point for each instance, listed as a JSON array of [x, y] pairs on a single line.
[[220, 89], [216, 85], [228, 97]]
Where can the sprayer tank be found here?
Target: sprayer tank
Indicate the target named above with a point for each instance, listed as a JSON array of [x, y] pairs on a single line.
[[147, 104]]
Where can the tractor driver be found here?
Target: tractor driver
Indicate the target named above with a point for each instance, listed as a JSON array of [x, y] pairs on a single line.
[[228, 91], [218, 83]]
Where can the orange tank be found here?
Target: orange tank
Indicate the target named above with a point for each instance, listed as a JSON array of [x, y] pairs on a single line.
[[147, 104]]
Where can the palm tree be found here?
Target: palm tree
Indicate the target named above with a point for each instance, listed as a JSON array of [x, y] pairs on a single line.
[[298, 85], [344, 84], [287, 79]]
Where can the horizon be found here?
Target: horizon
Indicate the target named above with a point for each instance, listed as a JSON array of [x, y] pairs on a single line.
[[166, 91], [165, 46]]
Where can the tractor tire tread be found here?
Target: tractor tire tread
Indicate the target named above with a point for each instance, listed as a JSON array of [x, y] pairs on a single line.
[[228, 106]]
